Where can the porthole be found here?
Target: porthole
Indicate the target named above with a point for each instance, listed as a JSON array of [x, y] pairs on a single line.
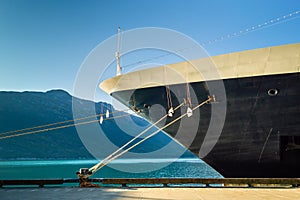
[[273, 92]]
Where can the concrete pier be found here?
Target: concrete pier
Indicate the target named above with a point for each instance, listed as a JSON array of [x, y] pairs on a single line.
[[150, 193], [154, 189]]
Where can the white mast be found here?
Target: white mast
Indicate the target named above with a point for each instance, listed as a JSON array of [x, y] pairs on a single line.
[[119, 69]]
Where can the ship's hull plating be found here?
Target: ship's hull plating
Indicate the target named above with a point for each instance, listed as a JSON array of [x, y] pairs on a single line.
[[260, 136]]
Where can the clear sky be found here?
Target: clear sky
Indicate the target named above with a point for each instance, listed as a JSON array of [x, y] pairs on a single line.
[[44, 42]]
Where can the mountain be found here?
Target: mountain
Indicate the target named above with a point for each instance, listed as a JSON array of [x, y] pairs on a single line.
[[22, 110]]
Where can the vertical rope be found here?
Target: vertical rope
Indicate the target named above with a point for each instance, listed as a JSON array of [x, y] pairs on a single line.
[[188, 95], [169, 98]]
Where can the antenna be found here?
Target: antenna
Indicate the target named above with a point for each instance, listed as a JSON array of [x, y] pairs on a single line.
[[119, 69]]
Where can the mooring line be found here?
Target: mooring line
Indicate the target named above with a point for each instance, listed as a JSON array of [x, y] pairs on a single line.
[[103, 163]]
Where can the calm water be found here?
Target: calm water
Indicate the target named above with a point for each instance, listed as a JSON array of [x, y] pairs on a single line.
[[126, 168]]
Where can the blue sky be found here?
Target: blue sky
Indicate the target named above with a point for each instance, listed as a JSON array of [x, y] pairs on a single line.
[[44, 42]]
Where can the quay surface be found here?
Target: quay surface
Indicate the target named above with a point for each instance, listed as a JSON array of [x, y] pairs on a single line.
[[154, 189], [150, 193]]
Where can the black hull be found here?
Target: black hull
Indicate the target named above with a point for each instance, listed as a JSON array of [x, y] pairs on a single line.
[[260, 137]]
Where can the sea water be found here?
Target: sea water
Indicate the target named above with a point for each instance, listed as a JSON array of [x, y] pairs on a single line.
[[121, 168]]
